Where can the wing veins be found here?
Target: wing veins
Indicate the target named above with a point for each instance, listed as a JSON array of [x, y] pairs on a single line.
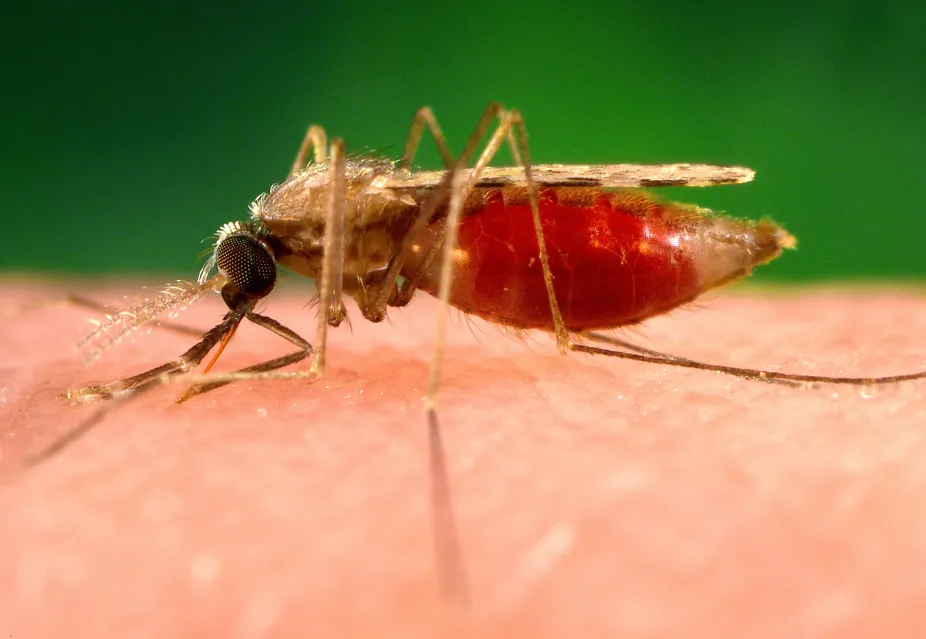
[[588, 175]]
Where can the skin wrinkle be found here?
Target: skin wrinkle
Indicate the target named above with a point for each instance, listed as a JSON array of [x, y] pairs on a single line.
[[696, 504]]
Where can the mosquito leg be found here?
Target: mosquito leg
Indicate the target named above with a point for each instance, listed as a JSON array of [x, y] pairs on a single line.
[[436, 199], [446, 276], [450, 568], [447, 548], [186, 362], [629, 346], [559, 326], [510, 127], [250, 373], [125, 390], [459, 189], [425, 116], [331, 309], [457, 185], [515, 153], [383, 293], [130, 388], [407, 290], [315, 141], [750, 373], [216, 381], [374, 308], [449, 558]]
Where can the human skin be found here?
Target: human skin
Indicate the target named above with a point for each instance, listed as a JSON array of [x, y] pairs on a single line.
[[592, 496]]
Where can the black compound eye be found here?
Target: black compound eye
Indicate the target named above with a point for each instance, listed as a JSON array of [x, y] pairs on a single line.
[[247, 263]]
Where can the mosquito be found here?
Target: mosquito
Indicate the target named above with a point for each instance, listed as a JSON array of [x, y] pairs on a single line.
[[569, 249]]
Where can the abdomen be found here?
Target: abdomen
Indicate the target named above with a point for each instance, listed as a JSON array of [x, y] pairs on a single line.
[[616, 258]]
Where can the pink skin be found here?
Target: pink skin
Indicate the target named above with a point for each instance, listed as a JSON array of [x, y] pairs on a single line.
[[593, 497]]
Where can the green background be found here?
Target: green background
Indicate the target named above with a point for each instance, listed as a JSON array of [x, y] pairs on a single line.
[[131, 133]]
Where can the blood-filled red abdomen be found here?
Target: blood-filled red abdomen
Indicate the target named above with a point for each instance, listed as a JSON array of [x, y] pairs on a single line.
[[616, 258]]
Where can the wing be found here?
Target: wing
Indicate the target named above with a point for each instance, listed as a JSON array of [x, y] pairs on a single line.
[[593, 175]]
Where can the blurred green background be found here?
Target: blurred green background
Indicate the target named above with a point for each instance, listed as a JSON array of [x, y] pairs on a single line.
[[131, 132]]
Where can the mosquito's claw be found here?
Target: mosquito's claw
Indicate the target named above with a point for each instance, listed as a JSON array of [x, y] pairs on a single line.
[[80, 395], [189, 393], [89, 395]]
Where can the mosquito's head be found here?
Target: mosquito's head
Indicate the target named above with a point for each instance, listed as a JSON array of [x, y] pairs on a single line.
[[245, 262]]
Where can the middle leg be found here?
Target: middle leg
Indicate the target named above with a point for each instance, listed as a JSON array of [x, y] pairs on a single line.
[[315, 141]]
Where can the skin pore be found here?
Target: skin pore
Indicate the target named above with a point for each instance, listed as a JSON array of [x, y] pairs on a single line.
[[592, 496]]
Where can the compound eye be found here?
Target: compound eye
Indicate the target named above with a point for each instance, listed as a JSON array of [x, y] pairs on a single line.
[[247, 263]]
